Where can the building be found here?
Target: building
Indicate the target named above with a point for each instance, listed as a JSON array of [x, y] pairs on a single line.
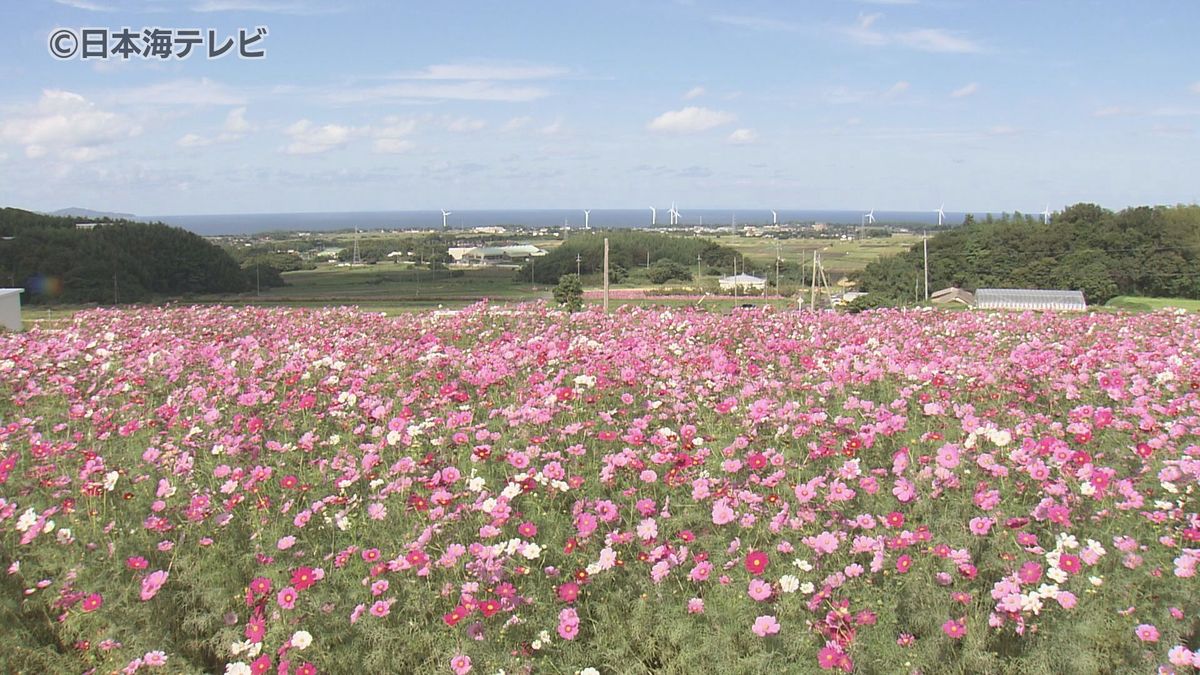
[[1029, 298], [951, 295], [501, 255], [457, 252], [743, 282], [86, 226], [10, 308]]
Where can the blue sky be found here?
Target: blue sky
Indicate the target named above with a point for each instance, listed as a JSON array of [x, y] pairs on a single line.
[[378, 105]]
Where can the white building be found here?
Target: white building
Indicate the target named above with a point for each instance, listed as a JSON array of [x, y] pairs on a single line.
[[743, 282], [10, 308]]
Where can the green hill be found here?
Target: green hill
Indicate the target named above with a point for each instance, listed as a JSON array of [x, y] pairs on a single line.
[[117, 261], [1147, 251]]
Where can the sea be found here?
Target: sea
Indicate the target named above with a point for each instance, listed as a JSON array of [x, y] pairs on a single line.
[[257, 223]]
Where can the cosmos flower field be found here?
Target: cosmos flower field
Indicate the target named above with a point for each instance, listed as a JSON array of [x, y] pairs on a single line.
[[302, 491]]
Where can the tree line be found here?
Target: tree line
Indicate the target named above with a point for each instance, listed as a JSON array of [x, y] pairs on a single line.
[[670, 256], [116, 262], [1147, 251]]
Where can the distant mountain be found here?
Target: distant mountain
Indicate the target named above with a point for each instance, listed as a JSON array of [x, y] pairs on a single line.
[[77, 212]]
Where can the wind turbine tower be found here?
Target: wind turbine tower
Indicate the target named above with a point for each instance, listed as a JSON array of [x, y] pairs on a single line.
[[444, 214], [941, 214], [774, 217], [1046, 215], [587, 214], [653, 216]]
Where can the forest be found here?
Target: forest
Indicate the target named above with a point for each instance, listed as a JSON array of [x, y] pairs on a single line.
[[1146, 251], [117, 261]]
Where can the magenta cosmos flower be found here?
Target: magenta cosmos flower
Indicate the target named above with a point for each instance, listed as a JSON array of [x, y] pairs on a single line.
[[756, 562]]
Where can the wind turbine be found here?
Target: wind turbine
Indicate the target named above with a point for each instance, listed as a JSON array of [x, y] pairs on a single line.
[[444, 214], [871, 217], [1046, 215], [678, 216], [674, 214], [941, 214], [587, 213], [653, 216], [774, 217]]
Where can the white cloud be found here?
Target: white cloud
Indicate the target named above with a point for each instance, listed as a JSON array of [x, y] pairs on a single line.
[[517, 123], [391, 137], [235, 122], [694, 92], [308, 138], [186, 92], [896, 89], [690, 120], [392, 146], [193, 141], [864, 32], [936, 40], [1195, 87], [85, 4], [271, 6], [451, 91], [743, 136], [1111, 111], [465, 125], [1003, 130], [965, 90], [468, 71], [552, 129], [67, 125], [755, 23]]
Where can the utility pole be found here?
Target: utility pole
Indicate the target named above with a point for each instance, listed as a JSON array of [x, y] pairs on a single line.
[[778, 291], [606, 274], [577, 261], [698, 271], [812, 295], [925, 246]]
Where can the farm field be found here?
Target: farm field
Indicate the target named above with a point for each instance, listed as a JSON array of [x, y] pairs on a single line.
[[839, 257], [220, 489]]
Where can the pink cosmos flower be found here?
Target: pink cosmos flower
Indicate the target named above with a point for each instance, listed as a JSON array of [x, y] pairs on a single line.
[[460, 664], [955, 629], [568, 624], [759, 589], [152, 583], [695, 606], [286, 597], [1146, 632], [765, 625]]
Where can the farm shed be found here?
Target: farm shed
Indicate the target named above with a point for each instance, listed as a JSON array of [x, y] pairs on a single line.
[[949, 296], [1029, 298], [10, 308]]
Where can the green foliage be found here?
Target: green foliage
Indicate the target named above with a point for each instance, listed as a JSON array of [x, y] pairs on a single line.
[[569, 292], [120, 261], [1138, 251], [867, 302], [665, 269], [629, 249]]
